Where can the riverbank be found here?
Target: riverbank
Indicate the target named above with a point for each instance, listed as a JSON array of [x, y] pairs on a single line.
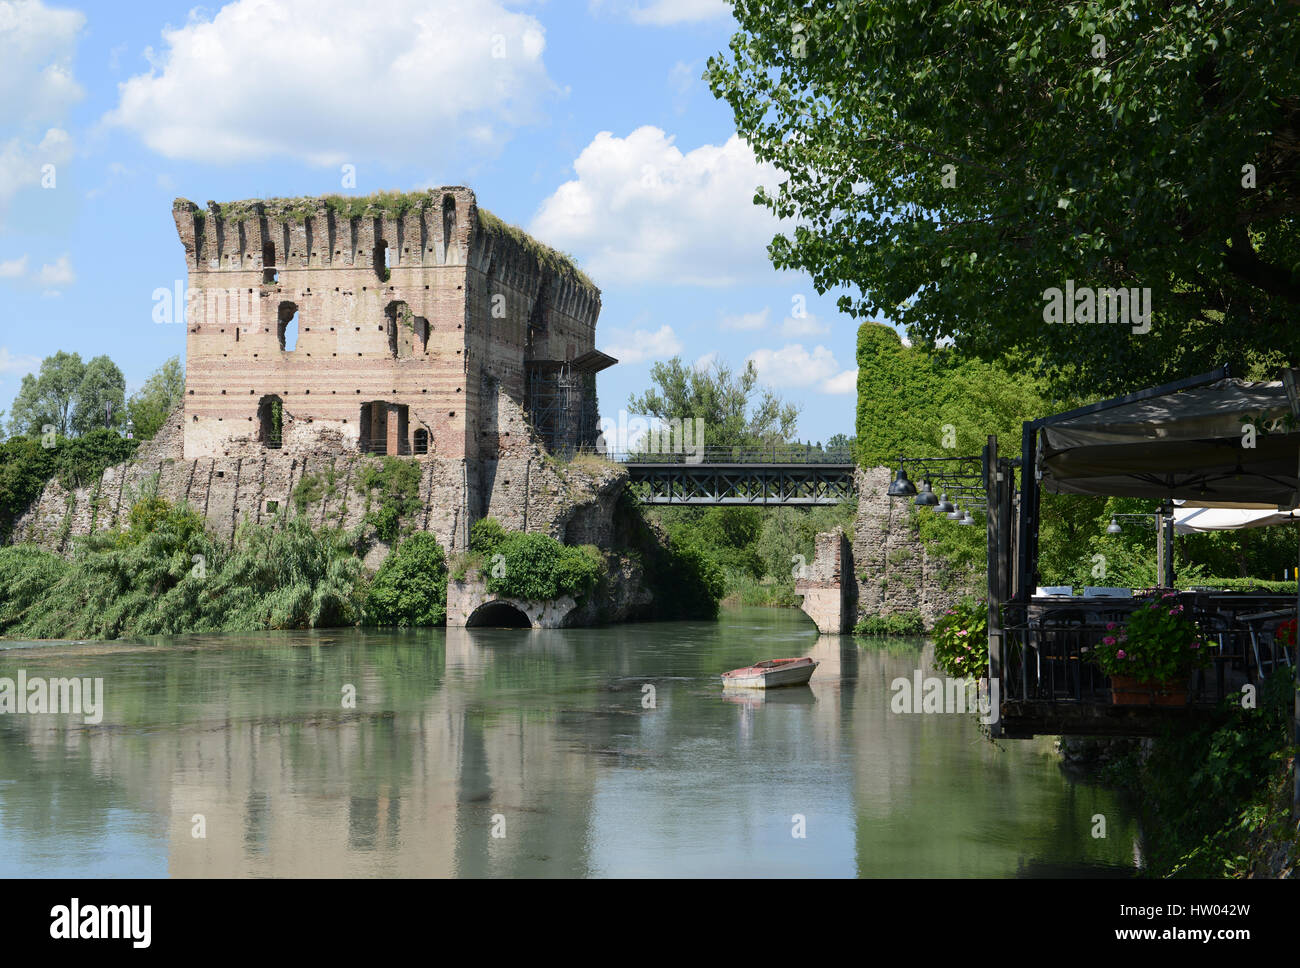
[[1214, 800], [165, 573]]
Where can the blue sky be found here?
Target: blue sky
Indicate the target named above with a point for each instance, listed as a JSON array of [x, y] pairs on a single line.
[[586, 123]]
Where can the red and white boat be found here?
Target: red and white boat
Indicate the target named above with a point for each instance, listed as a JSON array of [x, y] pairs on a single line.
[[770, 674]]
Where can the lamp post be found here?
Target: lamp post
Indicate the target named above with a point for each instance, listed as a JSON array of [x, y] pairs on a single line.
[[1164, 539]]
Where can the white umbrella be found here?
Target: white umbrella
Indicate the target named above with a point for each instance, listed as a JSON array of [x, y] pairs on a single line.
[[1191, 519]]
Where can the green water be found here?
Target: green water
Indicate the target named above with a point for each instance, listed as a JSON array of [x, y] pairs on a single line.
[[517, 753]]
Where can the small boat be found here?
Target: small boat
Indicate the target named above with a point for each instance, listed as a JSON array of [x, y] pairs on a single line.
[[770, 674]]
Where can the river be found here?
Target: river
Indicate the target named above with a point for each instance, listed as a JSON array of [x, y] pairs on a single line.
[[526, 753]]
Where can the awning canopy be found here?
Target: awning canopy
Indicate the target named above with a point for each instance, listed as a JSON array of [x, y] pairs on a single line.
[[1192, 520], [1183, 443]]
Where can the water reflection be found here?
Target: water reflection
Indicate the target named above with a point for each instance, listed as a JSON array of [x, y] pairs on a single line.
[[517, 753]]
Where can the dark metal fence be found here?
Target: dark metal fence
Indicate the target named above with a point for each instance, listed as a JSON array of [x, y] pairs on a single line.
[[1048, 646]]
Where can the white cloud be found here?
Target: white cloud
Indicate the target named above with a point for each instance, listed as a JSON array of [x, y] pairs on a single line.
[[746, 322], [661, 13], [794, 366], [22, 162], [37, 45], [705, 362], [845, 382], [333, 82], [642, 211], [13, 268], [9, 363], [57, 274], [803, 326], [642, 344]]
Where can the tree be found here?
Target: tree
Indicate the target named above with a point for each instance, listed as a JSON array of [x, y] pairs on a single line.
[[735, 413], [48, 397], [162, 393], [955, 161], [100, 400], [914, 402], [410, 588]]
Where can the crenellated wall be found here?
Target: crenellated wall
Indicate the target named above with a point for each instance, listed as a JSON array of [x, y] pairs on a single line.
[[420, 308]]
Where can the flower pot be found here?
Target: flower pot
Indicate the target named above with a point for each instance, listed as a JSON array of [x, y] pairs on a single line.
[[1126, 691]]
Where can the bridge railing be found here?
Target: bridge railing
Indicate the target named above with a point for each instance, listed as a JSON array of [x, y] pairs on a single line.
[[772, 454]]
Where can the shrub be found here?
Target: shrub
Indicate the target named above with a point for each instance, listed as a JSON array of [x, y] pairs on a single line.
[[164, 574], [410, 588], [902, 623], [485, 535], [537, 567], [1210, 791], [1159, 643], [961, 640], [398, 483]]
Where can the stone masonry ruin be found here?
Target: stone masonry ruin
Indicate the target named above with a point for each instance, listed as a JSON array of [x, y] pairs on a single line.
[[325, 332], [411, 314]]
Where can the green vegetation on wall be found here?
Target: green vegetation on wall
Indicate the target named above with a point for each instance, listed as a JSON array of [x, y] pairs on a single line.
[[410, 588], [163, 574], [533, 566], [395, 487]]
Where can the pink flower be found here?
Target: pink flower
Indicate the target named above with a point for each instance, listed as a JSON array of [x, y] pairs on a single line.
[[1196, 645], [1108, 640], [1120, 654], [1110, 626], [962, 632]]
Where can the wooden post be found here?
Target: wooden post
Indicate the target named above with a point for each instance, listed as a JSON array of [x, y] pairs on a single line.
[[993, 487]]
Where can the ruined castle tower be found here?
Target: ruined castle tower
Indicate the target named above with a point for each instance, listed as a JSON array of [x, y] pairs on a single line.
[[324, 332], [395, 324]]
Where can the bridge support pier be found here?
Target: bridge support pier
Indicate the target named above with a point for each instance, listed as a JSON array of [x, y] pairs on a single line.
[[828, 585]]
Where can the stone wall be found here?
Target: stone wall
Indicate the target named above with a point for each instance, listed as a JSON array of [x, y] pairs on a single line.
[[406, 324], [895, 572], [526, 491], [828, 586]]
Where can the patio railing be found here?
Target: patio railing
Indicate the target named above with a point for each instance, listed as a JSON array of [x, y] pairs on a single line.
[[1048, 646]]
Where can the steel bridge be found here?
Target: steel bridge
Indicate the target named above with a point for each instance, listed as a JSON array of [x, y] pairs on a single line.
[[786, 474]]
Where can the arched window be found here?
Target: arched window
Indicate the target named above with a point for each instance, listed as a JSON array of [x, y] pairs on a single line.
[[421, 441], [382, 268]]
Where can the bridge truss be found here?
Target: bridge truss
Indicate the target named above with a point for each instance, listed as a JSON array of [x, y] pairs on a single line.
[[791, 484]]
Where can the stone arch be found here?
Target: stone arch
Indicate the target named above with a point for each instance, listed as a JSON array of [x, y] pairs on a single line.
[[498, 614]]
